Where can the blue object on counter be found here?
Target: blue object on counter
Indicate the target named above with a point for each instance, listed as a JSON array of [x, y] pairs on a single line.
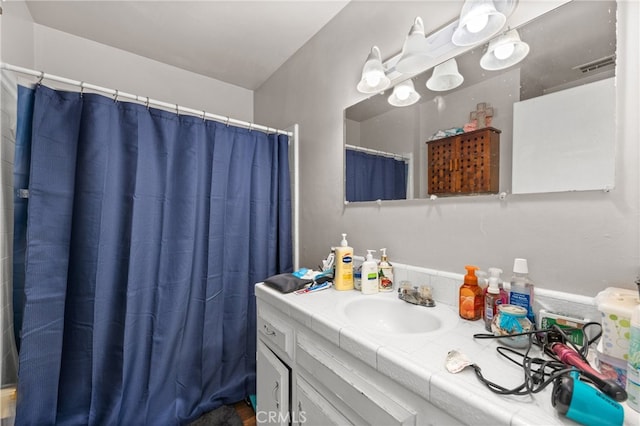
[[300, 273]]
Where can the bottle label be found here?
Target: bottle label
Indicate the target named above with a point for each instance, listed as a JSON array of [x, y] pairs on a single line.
[[634, 348], [346, 259], [523, 300], [386, 279], [489, 311], [491, 307]]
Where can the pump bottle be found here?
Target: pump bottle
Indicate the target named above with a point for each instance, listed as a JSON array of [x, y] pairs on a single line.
[[494, 297], [470, 301], [369, 275], [343, 279], [385, 272], [521, 290]]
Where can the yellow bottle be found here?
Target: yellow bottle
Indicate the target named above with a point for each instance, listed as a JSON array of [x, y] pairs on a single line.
[[471, 298], [343, 279]]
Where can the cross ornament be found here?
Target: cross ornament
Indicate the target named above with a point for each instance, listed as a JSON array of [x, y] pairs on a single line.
[[483, 115]]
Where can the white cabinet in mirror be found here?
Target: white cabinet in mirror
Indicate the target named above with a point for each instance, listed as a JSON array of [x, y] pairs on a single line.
[[571, 46]]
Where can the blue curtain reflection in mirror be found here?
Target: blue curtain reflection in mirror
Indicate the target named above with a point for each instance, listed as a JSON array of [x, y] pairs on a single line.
[[371, 176]]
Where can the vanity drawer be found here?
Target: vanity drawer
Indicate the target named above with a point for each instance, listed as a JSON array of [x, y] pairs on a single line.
[[274, 330], [352, 388]]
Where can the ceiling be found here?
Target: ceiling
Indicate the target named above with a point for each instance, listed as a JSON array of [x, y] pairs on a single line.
[[238, 42]]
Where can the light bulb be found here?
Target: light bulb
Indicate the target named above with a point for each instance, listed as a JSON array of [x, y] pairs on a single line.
[[504, 51], [373, 79], [477, 23], [402, 93]]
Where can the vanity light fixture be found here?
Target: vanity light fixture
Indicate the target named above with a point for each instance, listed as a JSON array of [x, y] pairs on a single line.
[[479, 21], [414, 57], [373, 79], [504, 51], [404, 94], [445, 77]]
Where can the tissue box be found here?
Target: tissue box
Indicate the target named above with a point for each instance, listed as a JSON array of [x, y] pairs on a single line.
[[610, 367], [616, 305]]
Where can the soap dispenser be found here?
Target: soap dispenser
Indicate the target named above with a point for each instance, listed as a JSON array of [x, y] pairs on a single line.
[[369, 275], [385, 272], [494, 297], [343, 279], [471, 303]]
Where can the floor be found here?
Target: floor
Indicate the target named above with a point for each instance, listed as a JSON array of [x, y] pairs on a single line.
[[246, 413]]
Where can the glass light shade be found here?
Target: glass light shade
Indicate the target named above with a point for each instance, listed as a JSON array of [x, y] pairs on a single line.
[[404, 94], [373, 78], [445, 77], [497, 57], [414, 57], [479, 20]]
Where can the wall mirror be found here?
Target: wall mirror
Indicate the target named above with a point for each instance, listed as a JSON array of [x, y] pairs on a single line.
[[570, 68]]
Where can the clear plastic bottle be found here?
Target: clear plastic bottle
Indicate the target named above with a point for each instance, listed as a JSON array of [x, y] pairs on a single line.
[[494, 297], [521, 289]]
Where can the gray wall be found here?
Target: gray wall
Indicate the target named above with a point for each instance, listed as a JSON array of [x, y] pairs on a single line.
[[579, 242]]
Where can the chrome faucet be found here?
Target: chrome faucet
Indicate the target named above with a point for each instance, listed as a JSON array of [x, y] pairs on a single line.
[[416, 295]]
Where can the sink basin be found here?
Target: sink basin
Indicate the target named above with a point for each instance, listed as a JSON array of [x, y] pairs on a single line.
[[393, 316]]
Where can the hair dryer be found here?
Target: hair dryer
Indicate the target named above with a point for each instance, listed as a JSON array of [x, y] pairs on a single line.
[[585, 404]]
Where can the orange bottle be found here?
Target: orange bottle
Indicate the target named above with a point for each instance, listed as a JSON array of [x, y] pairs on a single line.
[[471, 300]]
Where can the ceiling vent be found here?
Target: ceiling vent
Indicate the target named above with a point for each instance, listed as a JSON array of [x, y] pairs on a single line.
[[597, 64]]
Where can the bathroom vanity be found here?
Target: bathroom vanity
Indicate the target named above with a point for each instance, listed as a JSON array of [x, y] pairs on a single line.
[[343, 358]]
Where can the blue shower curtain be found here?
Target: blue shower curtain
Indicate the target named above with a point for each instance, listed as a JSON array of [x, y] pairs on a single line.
[[374, 177], [146, 231]]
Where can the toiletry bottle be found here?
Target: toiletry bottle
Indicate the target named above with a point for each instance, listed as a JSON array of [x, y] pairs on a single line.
[[385, 272], [357, 278], [470, 302], [343, 279], [369, 275], [633, 360], [494, 296], [483, 281], [521, 291]]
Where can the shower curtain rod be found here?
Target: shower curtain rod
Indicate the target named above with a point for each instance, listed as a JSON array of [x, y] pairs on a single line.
[[143, 99], [375, 151]]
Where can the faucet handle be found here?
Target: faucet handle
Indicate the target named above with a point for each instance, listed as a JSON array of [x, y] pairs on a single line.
[[425, 291]]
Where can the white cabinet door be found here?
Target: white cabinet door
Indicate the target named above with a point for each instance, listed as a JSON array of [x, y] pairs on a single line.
[[312, 409], [272, 388]]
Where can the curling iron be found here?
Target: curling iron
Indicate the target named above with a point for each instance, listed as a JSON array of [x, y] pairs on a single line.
[[570, 357]]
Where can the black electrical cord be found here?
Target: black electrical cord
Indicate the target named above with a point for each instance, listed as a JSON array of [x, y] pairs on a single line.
[[538, 372]]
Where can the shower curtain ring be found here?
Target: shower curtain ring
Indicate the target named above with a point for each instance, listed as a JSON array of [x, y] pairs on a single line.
[[147, 103], [250, 126], [115, 98], [204, 114], [227, 123], [177, 109], [81, 89], [41, 78]]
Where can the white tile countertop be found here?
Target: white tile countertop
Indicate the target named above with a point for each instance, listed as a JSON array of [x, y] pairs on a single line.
[[417, 361]]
